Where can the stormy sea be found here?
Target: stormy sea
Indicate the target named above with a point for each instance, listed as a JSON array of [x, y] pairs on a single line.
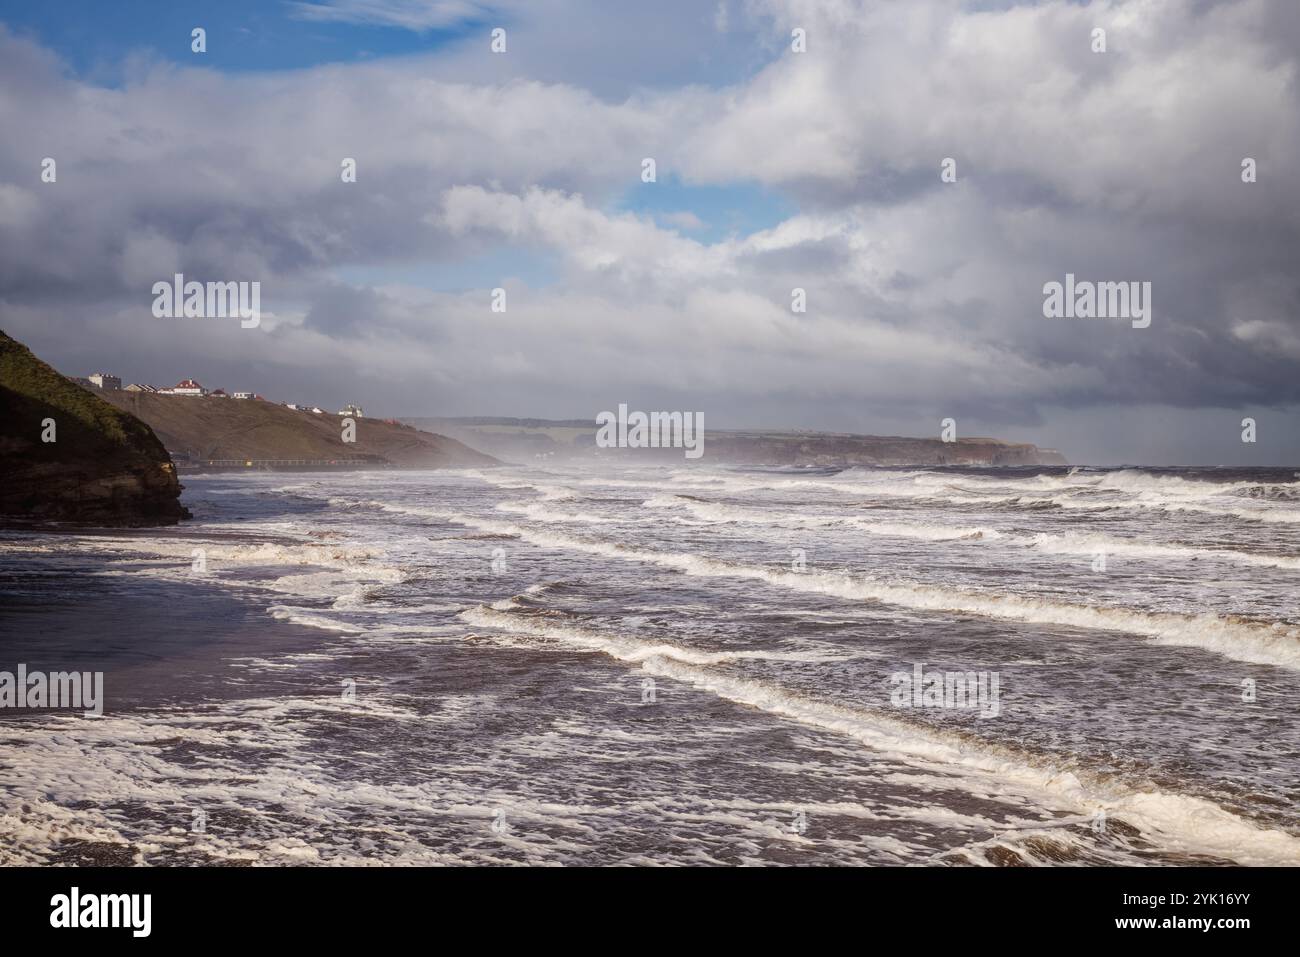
[[668, 665]]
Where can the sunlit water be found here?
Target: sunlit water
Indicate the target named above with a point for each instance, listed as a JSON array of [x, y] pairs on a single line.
[[668, 666]]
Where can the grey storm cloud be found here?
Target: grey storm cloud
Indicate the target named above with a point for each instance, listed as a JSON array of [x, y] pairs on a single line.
[[924, 297]]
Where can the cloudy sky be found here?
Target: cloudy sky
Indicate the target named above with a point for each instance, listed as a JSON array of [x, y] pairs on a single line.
[[775, 169]]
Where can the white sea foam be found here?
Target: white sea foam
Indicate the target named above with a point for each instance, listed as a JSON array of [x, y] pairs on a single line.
[[301, 810], [543, 512], [634, 650], [1258, 643], [1182, 822], [1129, 490], [1070, 543]]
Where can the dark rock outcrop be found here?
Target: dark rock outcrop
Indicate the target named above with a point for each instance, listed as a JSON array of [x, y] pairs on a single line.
[[104, 467]]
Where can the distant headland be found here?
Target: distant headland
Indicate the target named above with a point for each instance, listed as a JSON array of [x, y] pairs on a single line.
[[575, 441]]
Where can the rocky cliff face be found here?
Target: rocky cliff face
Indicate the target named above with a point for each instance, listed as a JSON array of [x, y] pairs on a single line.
[[102, 467]]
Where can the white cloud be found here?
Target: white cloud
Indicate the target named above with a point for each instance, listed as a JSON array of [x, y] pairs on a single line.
[[683, 219], [417, 15], [921, 294]]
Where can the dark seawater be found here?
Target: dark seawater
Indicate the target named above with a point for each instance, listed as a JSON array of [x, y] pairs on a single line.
[[668, 666]]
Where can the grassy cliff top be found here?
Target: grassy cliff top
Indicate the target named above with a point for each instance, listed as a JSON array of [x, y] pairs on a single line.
[[97, 466], [242, 429], [86, 424]]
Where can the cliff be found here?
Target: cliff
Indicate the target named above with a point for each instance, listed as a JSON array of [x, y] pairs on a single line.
[[103, 467], [199, 430]]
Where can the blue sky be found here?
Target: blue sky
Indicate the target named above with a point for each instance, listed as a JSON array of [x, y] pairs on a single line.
[[736, 209], [99, 41], [723, 212], [96, 37]]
